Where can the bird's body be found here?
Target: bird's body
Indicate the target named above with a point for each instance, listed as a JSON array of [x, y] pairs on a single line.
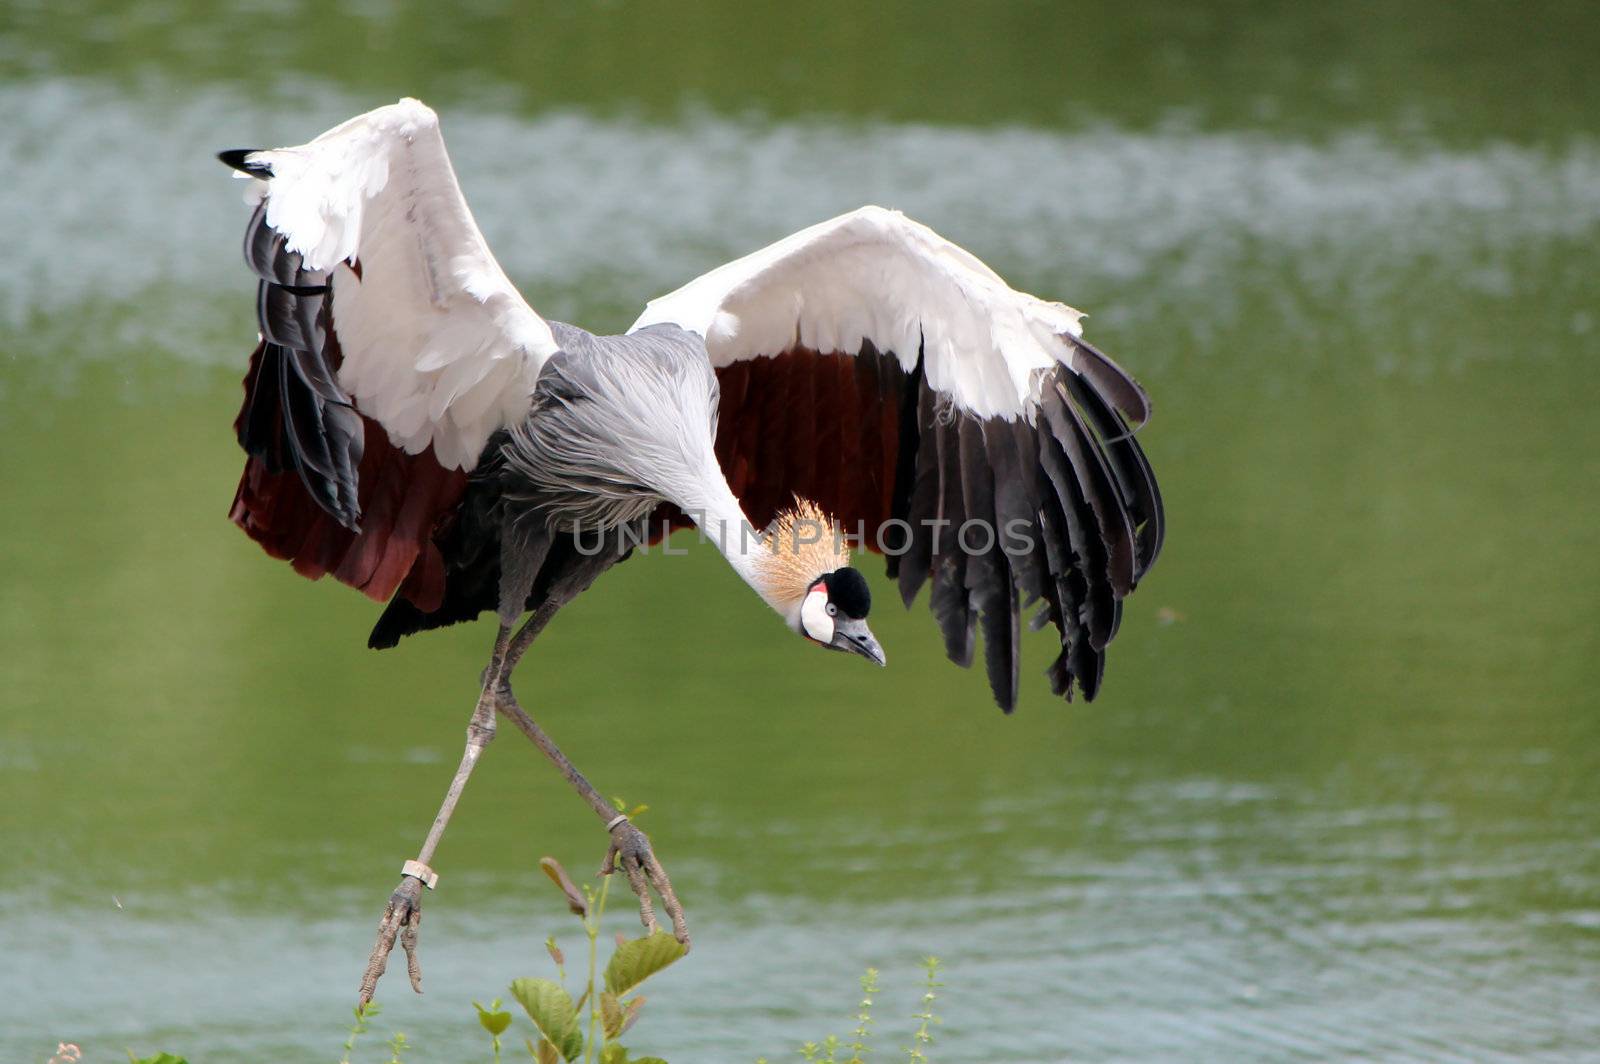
[[418, 431], [617, 427]]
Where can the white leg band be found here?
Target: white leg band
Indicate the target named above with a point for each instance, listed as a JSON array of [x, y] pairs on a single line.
[[421, 872], [620, 818]]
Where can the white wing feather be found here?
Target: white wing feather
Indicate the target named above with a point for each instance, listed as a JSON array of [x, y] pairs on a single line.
[[438, 346], [874, 274]]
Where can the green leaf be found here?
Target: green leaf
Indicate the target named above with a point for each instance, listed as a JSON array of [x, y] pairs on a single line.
[[613, 1054], [610, 1014], [639, 959], [647, 1060], [493, 1020], [551, 1009], [545, 1053], [159, 1058]]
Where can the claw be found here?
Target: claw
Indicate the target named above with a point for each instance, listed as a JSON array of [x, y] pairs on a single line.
[[402, 918], [408, 942], [644, 872]]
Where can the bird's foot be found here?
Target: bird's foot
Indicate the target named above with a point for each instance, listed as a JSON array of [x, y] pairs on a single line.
[[401, 919], [630, 848]]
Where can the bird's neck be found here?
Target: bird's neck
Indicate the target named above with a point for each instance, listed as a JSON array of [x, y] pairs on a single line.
[[723, 522]]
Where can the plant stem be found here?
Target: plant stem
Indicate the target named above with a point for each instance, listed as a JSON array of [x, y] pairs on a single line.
[[858, 1044], [358, 1028], [923, 1036], [592, 926]]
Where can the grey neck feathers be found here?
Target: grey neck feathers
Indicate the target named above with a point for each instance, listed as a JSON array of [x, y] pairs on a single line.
[[722, 521]]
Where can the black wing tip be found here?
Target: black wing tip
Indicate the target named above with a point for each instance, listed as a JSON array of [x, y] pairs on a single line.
[[399, 618], [383, 639], [238, 158], [1112, 381]]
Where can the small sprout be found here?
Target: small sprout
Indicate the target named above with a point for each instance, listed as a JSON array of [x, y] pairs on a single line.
[[621, 806], [493, 1019]]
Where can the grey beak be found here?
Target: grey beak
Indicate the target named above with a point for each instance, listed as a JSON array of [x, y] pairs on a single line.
[[857, 638]]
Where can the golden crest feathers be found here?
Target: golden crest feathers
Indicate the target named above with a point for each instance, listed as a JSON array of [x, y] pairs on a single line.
[[803, 543]]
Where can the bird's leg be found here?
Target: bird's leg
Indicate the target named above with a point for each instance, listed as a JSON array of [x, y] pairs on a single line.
[[403, 916], [628, 844]]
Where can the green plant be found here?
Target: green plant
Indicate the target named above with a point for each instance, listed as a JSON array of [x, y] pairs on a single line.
[[397, 1045], [622, 807], [930, 991], [495, 1021], [589, 1029], [362, 1013], [863, 1031], [827, 1050], [613, 1007]]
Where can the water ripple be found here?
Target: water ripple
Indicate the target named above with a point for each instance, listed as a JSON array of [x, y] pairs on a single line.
[[115, 202]]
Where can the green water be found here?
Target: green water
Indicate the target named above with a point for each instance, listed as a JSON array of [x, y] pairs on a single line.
[[1338, 799]]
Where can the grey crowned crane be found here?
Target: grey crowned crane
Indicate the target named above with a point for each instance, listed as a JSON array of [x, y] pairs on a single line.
[[417, 430]]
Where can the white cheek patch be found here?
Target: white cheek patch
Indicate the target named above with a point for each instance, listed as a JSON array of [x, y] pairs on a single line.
[[814, 619]]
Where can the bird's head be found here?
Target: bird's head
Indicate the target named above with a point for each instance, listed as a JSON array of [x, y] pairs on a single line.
[[834, 614], [810, 580]]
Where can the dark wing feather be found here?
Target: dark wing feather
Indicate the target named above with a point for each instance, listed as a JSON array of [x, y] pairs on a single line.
[[314, 431], [919, 454], [1095, 483], [989, 581], [873, 441], [323, 486], [1136, 481], [1089, 584], [949, 599], [896, 451], [1110, 380]]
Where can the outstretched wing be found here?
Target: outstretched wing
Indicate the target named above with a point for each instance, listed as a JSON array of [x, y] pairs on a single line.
[[962, 428], [392, 347]]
